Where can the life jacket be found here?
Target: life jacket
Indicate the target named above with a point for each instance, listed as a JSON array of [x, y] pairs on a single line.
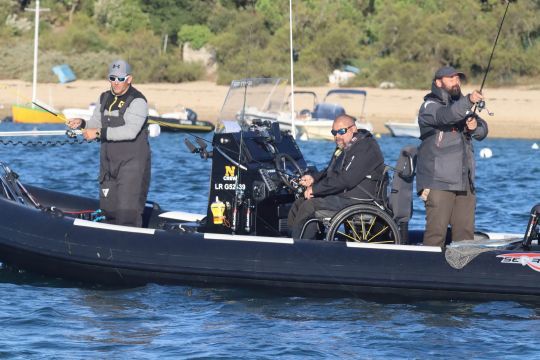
[[118, 120]]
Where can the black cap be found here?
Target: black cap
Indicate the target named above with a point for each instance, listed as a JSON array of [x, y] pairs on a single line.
[[448, 71]]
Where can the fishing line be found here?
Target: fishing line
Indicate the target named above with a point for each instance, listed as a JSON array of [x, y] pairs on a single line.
[[482, 104], [494, 45]]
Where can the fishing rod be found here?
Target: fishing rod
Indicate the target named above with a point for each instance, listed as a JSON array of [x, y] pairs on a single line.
[[238, 193], [70, 133], [58, 115], [482, 104]]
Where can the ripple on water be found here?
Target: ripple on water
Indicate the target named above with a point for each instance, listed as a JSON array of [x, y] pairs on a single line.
[[48, 318]]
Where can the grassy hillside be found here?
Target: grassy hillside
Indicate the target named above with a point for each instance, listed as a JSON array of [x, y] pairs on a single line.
[[401, 41]]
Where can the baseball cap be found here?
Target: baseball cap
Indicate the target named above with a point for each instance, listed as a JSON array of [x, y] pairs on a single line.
[[448, 71], [119, 68]]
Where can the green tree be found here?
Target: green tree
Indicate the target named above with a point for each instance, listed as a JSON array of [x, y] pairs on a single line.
[[196, 35], [120, 15], [168, 16]]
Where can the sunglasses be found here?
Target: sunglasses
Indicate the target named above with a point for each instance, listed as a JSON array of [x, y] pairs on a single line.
[[341, 131], [117, 78]]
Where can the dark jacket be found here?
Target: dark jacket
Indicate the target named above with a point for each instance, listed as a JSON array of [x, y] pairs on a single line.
[[446, 154], [361, 162]]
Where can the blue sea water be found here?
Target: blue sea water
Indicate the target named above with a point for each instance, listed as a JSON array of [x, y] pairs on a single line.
[[50, 318]]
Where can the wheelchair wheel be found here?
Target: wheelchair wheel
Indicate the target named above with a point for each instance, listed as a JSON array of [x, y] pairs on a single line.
[[363, 223]]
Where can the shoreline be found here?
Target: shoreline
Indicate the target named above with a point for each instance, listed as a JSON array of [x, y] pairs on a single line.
[[516, 109]]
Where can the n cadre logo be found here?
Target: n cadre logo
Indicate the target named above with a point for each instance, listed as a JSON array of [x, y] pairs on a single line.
[[531, 260], [229, 173]]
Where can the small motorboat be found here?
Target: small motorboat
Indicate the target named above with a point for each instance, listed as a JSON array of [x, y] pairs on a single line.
[[182, 120], [316, 123], [242, 240]]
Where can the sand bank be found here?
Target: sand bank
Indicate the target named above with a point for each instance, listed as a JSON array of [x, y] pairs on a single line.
[[517, 110]]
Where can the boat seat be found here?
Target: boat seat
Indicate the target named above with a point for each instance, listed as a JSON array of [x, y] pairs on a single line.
[[400, 199]]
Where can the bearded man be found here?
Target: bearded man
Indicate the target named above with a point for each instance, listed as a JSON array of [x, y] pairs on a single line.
[[445, 163]]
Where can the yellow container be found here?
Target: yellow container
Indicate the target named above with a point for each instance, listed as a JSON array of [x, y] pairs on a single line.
[[218, 211]]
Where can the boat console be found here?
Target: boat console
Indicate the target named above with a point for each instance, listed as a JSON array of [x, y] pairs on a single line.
[[255, 165], [254, 180]]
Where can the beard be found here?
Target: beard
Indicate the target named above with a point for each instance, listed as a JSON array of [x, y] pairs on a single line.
[[454, 91]]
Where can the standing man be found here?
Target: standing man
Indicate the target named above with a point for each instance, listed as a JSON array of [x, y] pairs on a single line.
[[356, 166], [119, 121], [445, 165]]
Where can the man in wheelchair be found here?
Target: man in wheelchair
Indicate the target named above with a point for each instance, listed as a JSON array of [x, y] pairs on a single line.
[[351, 177]]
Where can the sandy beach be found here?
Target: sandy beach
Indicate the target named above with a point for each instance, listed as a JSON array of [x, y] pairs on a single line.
[[517, 110]]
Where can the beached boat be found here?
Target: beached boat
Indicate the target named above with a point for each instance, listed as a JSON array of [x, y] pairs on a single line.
[[403, 129], [30, 114], [242, 239], [34, 113]]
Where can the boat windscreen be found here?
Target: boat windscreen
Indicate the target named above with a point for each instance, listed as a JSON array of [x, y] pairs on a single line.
[[250, 99]]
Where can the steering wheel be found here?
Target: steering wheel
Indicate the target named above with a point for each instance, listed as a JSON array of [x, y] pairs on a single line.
[[289, 171]]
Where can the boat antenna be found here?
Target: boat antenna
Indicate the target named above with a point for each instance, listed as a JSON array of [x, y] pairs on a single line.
[[482, 104], [291, 51]]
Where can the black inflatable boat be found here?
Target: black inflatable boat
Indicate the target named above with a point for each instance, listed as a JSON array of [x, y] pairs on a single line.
[[366, 249]]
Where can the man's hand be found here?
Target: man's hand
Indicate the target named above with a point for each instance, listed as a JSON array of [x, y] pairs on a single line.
[[90, 134], [471, 124], [307, 180], [74, 123], [308, 194], [476, 97]]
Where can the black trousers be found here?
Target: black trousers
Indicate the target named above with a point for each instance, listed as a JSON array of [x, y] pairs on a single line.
[[124, 181], [302, 210]]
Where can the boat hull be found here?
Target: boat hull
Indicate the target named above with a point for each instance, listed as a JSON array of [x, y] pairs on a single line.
[[403, 129], [176, 125], [96, 253]]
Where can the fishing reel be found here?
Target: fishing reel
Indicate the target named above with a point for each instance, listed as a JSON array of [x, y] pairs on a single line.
[[71, 133], [481, 105]]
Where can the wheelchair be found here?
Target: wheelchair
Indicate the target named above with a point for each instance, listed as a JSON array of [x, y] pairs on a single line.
[[381, 219]]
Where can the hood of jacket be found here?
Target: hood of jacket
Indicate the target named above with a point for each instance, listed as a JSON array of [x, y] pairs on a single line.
[[439, 94]]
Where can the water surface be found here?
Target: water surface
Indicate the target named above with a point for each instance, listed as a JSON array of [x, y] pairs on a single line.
[[49, 318]]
